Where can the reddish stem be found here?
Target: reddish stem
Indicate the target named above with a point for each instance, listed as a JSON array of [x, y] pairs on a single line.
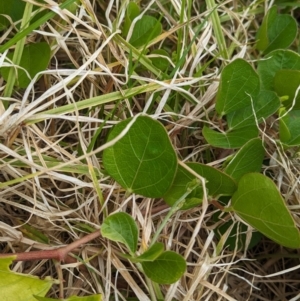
[[59, 254], [217, 204]]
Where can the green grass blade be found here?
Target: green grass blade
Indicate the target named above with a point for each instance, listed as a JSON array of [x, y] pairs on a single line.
[[23, 33], [216, 23], [17, 55]]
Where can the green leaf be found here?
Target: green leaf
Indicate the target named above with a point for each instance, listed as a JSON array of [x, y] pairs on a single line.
[[132, 12], [264, 105], [180, 186], [248, 159], [166, 269], [218, 183], [290, 128], [122, 228], [72, 298], [284, 132], [159, 60], [282, 32], [26, 31], [286, 82], [13, 8], [35, 58], [73, 7], [277, 31], [258, 202], [152, 253], [231, 139], [20, 287], [143, 161], [239, 82], [262, 33], [275, 61], [145, 29]]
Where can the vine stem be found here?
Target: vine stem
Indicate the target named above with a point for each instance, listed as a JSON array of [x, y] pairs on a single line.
[[58, 254]]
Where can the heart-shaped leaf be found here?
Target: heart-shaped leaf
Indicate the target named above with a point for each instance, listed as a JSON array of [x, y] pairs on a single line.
[[132, 12], [165, 269], [35, 58], [14, 9], [264, 105], [180, 186], [145, 29], [232, 139], [122, 228], [289, 129], [275, 61], [262, 33], [284, 131], [276, 31], [158, 59], [248, 159], [239, 82], [218, 183], [259, 203], [143, 161], [286, 83]]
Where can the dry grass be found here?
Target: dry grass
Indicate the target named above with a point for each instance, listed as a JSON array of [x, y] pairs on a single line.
[[47, 167]]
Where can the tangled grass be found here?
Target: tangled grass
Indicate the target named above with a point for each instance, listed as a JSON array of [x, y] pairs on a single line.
[[53, 188]]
